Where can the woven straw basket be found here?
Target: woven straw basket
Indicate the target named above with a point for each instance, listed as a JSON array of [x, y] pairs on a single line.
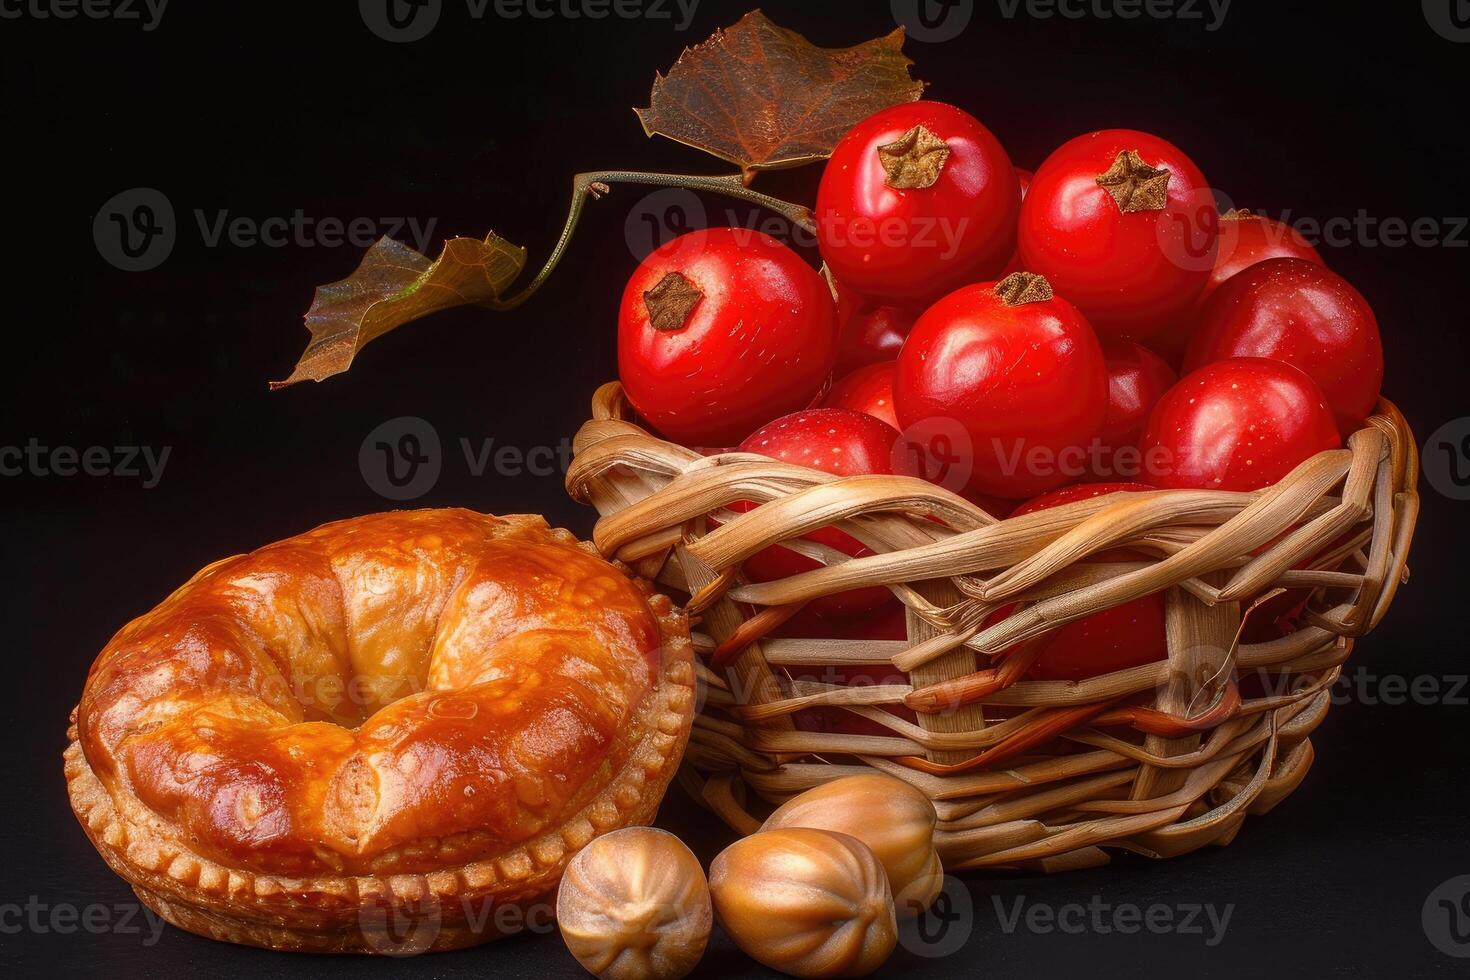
[[1158, 759]]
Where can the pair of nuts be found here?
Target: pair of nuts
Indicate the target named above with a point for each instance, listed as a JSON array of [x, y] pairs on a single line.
[[812, 894], [893, 818]]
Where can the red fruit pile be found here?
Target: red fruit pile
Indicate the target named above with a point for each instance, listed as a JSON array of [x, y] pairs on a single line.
[[1006, 334], [838, 441]]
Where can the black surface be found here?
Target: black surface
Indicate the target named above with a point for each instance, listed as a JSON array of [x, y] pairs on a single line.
[[261, 109]]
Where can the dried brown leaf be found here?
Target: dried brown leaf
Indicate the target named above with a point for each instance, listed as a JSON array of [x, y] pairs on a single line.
[[763, 97], [394, 285]]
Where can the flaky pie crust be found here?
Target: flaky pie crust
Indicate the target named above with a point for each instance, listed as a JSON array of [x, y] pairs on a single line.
[[384, 890]]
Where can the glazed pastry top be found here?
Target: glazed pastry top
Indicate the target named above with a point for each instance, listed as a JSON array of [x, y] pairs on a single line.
[[379, 694]]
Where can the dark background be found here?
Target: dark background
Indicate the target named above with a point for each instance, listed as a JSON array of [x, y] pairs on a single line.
[[1323, 109]]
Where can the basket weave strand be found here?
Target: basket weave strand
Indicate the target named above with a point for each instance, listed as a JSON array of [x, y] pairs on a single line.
[[1158, 759]]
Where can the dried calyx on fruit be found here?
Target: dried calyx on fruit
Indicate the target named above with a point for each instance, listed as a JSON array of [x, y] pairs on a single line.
[[671, 301], [915, 159], [811, 903], [634, 905], [892, 818], [1019, 288], [1134, 185]]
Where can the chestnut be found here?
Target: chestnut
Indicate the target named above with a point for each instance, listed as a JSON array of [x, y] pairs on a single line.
[[634, 905], [894, 819], [811, 903]]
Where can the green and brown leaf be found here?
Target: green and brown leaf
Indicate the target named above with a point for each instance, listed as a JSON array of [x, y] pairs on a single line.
[[394, 285], [763, 97], [755, 94]]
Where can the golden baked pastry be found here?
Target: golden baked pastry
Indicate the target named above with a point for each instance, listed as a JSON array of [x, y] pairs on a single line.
[[387, 734]]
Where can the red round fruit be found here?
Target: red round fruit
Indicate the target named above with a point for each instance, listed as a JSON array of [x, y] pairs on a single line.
[[1137, 379], [1076, 492], [1124, 225], [1275, 617], [997, 507], [1245, 239], [1023, 177], [887, 623], [1238, 424], [833, 440], [1114, 639], [868, 331], [1013, 376], [917, 200], [720, 330], [1084, 491], [1306, 315], [868, 390]]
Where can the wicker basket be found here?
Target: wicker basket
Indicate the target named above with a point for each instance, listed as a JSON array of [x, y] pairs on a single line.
[[1159, 759]]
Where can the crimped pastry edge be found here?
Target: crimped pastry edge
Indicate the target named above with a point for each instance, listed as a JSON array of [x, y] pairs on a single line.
[[393, 914]]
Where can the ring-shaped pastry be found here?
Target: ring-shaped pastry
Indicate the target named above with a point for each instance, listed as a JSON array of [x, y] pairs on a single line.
[[389, 734]]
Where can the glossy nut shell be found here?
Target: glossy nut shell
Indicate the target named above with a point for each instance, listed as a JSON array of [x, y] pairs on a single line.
[[811, 903], [894, 819], [634, 905]]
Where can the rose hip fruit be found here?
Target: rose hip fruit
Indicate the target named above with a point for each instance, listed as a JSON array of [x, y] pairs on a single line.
[[1237, 424], [917, 200], [1017, 373], [1124, 225], [1306, 315], [720, 330]]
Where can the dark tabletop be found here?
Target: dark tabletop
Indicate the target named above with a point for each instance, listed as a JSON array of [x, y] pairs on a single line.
[[1343, 116]]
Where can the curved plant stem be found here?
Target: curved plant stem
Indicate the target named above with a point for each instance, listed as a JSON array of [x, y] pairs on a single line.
[[591, 186]]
